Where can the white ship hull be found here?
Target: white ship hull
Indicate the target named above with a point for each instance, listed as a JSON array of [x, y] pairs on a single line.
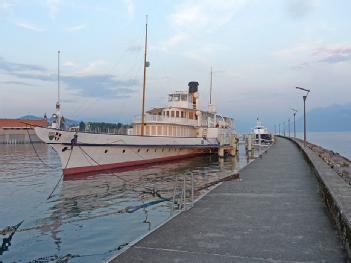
[[90, 152]]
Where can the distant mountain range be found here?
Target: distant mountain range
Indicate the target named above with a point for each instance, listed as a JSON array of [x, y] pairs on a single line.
[[331, 118], [68, 122]]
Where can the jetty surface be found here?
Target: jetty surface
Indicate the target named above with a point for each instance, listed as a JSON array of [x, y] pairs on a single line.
[[274, 213]]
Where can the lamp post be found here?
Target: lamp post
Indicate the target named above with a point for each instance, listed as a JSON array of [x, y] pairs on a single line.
[[294, 112], [289, 126], [279, 128], [275, 129], [284, 128], [304, 113]]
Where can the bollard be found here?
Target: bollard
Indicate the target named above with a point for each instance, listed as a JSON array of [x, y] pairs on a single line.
[[233, 144], [249, 143], [221, 146]]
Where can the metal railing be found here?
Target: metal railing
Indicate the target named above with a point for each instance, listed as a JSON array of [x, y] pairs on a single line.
[[168, 120]]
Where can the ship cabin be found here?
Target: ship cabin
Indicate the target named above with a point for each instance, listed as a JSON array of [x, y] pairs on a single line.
[[181, 117], [261, 134]]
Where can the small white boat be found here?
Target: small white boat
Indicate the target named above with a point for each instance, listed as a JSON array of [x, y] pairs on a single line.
[[261, 135]]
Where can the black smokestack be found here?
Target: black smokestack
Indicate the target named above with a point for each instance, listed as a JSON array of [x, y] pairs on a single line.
[[193, 86]]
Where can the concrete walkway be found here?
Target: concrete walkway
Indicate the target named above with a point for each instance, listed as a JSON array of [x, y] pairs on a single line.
[[274, 214]]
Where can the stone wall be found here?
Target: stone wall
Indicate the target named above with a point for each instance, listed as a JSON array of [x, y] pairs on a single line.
[[340, 164]]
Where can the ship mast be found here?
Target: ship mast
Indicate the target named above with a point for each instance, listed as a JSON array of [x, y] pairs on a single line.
[[58, 106], [146, 64]]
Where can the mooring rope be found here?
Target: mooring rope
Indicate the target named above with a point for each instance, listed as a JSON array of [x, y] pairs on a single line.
[[124, 180], [36, 152]]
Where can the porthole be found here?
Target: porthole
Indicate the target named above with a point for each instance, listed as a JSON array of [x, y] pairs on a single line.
[[147, 150], [123, 151], [138, 150], [155, 150], [106, 151]]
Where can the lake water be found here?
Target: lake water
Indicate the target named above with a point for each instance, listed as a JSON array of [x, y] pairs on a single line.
[[336, 141], [90, 218]]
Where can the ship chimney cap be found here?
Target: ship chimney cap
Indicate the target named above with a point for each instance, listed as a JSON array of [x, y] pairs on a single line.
[[193, 86]]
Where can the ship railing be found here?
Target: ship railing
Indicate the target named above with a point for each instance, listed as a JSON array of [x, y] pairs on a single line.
[[168, 120], [184, 121]]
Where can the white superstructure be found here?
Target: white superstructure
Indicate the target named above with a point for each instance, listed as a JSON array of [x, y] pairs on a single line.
[[261, 135]]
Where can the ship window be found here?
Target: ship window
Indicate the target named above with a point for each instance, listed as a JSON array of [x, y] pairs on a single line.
[[176, 97], [182, 114], [138, 150], [155, 150], [123, 151], [167, 112], [147, 150], [106, 151], [191, 115], [177, 114], [163, 149], [172, 114], [184, 97]]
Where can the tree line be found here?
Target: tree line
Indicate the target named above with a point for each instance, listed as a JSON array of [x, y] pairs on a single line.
[[104, 127]]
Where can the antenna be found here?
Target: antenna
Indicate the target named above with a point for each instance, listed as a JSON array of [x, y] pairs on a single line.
[[211, 86], [58, 79]]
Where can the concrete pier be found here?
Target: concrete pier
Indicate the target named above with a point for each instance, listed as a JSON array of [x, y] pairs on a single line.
[[275, 213]]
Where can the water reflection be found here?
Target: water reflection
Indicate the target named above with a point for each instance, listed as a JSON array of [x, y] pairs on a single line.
[[95, 215]]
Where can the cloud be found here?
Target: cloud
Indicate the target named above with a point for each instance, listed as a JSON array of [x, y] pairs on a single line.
[[91, 85], [130, 8], [5, 4], [134, 48], [13, 82], [333, 55], [54, 7], [14, 67], [206, 14], [29, 26], [101, 86], [176, 40], [76, 28], [92, 67], [70, 64], [192, 18], [300, 8]]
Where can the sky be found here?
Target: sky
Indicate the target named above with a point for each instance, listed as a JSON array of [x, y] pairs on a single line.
[[259, 50]]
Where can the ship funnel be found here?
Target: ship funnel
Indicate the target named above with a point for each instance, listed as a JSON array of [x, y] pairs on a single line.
[[193, 86]]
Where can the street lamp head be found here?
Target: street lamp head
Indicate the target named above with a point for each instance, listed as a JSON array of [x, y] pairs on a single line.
[[294, 110], [307, 90]]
